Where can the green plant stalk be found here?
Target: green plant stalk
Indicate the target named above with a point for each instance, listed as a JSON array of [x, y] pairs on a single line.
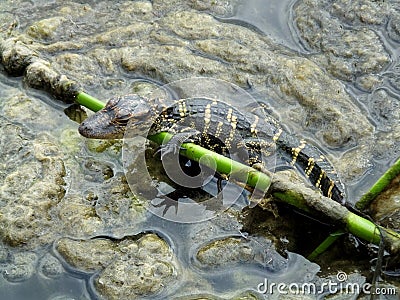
[[350, 221], [325, 244], [363, 228], [368, 231], [292, 198], [379, 186], [353, 223], [220, 163], [89, 101]]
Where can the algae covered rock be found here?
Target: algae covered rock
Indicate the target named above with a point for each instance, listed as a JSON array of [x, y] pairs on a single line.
[[129, 268], [345, 51], [30, 188], [45, 29]]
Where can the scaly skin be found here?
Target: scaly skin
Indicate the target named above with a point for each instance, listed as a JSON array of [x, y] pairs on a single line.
[[220, 128]]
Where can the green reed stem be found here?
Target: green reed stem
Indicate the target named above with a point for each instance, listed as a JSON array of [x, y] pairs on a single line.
[[382, 183], [325, 244], [220, 163], [89, 101]]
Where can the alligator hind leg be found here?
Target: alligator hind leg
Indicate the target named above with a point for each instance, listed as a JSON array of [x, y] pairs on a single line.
[[260, 151]]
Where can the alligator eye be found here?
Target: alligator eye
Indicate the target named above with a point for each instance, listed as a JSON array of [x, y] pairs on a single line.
[[113, 102], [122, 120]]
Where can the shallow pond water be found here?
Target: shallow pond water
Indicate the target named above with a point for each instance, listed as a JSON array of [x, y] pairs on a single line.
[[70, 226], [271, 18]]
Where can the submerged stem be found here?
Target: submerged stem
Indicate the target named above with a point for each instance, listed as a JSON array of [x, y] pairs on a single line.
[[325, 244]]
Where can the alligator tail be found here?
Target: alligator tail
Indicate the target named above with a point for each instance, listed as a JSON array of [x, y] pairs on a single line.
[[315, 166]]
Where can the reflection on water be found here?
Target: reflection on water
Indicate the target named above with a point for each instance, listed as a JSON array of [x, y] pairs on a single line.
[[270, 17], [38, 286]]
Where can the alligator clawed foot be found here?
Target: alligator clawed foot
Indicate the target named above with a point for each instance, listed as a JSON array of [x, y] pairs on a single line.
[[167, 149]]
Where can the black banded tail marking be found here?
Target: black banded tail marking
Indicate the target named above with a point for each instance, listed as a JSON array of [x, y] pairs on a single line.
[[331, 186], [310, 166], [296, 151]]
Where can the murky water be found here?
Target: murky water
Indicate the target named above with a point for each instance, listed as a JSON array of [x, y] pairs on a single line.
[[269, 17], [95, 201]]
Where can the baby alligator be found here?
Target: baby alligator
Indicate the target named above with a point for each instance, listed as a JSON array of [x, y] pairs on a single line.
[[219, 127]]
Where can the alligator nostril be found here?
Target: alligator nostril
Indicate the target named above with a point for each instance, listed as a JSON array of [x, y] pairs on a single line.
[[83, 128]]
